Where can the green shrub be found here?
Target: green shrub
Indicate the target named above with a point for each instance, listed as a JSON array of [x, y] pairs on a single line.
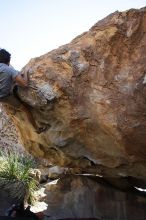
[[14, 175]]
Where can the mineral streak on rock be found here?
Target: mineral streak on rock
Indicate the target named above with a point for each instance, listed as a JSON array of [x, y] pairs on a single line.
[[90, 95]]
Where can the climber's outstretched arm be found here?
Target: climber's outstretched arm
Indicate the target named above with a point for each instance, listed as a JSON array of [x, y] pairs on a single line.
[[21, 80]]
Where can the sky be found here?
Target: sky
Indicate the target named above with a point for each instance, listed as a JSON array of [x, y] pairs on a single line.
[[30, 28]]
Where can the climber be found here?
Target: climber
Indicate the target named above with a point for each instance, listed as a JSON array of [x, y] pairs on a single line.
[[10, 79]]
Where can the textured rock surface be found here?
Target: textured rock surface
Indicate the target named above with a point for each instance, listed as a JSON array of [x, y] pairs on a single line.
[[9, 140], [91, 97], [82, 197]]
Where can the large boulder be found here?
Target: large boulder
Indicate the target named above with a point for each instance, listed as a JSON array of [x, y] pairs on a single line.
[[89, 96]]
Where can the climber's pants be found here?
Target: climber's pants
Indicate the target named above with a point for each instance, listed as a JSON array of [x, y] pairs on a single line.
[[11, 100]]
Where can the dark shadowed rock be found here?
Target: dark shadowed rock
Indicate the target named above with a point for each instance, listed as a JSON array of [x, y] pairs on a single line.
[[82, 197]]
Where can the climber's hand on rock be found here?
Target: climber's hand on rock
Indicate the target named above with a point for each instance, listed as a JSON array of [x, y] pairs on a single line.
[[21, 81]]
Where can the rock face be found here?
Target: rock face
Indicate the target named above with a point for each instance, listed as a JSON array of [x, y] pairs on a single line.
[[9, 140], [90, 95], [82, 197]]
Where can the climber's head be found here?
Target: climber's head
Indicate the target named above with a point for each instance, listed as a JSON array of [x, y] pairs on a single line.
[[5, 56]]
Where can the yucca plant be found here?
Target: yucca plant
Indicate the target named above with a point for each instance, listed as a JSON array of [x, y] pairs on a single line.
[[14, 176]]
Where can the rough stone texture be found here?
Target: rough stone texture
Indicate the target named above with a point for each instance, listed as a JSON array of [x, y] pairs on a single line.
[[9, 140], [82, 197], [91, 96]]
